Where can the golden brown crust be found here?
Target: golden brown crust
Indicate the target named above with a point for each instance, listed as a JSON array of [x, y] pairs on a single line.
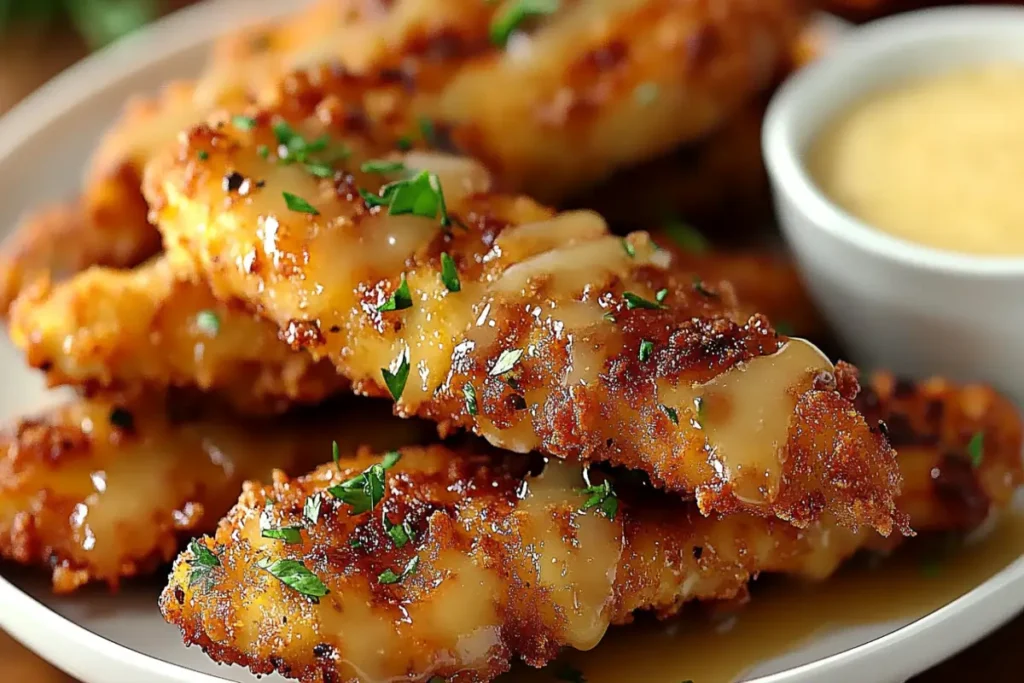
[[105, 489], [584, 386], [142, 329], [58, 241], [931, 424], [485, 529]]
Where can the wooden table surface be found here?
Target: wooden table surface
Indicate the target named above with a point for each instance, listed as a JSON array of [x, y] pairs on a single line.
[[27, 60]]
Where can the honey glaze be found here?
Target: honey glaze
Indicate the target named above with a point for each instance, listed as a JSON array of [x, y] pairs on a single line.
[[745, 415], [784, 615]]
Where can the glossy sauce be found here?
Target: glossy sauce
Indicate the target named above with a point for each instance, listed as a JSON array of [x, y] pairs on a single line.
[[745, 415], [938, 160], [784, 615]]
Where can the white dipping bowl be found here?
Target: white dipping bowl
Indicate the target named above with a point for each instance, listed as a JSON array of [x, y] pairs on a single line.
[[896, 304]]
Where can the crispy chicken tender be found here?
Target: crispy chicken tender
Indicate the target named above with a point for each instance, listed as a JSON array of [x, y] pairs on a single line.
[[597, 86], [103, 490], [145, 329], [521, 349], [506, 563], [58, 241]]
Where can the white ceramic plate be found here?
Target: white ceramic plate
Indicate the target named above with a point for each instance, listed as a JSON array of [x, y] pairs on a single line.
[[98, 637]]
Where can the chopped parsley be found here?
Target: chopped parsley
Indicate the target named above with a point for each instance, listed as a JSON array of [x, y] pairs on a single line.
[[288, 534], [204, 561], [208, 323], [243, 122], [399, 300], [355, 543], [976, 448], [404, 143], [514, 13], [203, 155], [660, 295], [295, 575], [628, 247], [382, 166], [400, 534], [364, 491], [785, 328], [603, 498], [637, 301], [388, 576], [263, 151], [396, 380], [646, 93], [506, 361], [671, 412], [319, 169], [449, 273], [469, 392], [336, 454], [311, 508], [609, 316], [420, 195], [687, 237], [299, 204], [646, 349]]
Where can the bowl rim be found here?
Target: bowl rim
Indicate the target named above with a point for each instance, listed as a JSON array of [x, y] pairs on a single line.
[[859, 49], [900, 653]]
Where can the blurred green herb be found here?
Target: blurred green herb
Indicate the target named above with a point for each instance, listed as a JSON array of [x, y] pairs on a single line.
[[98, 21]]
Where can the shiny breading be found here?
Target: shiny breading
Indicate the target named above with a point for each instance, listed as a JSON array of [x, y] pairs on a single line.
[[599, 86], [58, 241], [103, 490], [128, 330], [536, 291], [511, 566]]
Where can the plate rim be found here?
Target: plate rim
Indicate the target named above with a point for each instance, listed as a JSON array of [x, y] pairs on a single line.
[[924, 642]]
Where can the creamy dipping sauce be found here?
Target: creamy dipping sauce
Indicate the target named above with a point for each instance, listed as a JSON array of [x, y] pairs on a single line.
[[938, 160]]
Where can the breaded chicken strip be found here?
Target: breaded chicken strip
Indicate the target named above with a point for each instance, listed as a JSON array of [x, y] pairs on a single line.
[[458, 562], [536, 331], [103, 490], [58, 241], [568, 98], [144, 329]]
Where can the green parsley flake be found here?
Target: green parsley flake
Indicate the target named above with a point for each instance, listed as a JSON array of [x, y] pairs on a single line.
[[646, 93], [399, 300], [208, 323], [299, 204], [311, 508], [204, 561], [698, 286], [603, 498], [428, 130], [628, 247], [671, 412], [336, 454], [295, 575], [243, 122], [449, 273], [420, 195], [382, 166], [637, 301], [609, 316], [364, 491], [400, 534], [646, 349], [396, 380], [404, 143], [320, 170], [470, 394], [784, 328], [506, 361], [976, 448], [514, 13], [263, 151], [687, 237], [288, 534], [203, 155], [388, 576]]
